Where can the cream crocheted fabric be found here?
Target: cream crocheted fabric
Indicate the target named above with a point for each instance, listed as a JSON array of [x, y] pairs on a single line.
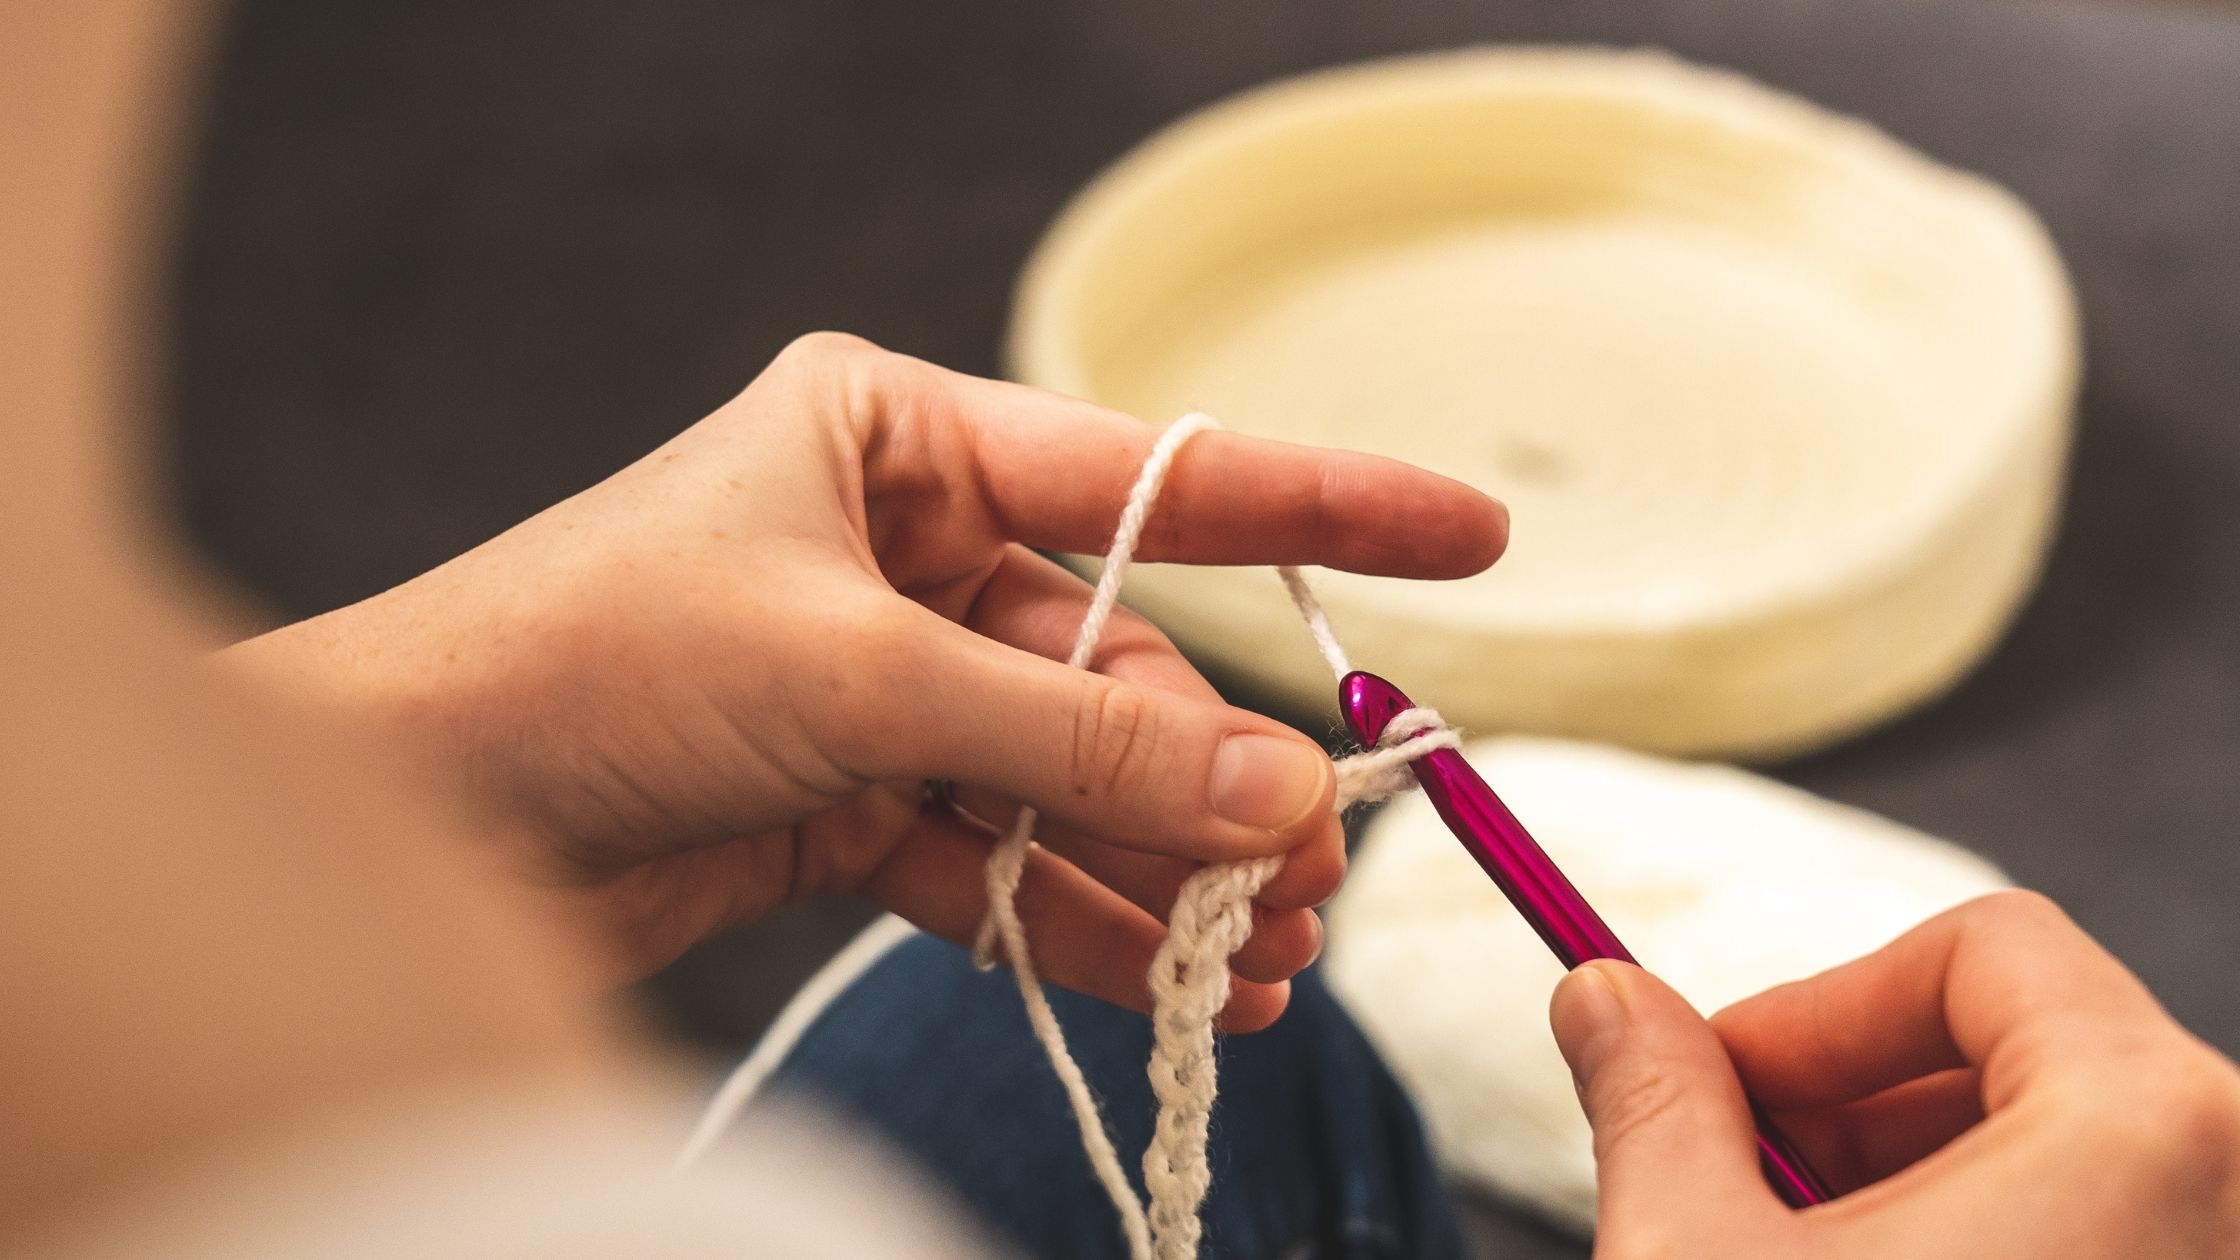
[[1722, 882], [1780, 405]]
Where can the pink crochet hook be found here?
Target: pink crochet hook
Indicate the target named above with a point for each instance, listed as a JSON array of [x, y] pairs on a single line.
[[1536, 888]]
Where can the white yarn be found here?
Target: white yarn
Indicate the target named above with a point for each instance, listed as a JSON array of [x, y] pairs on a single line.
[[739, 1088], [1211, 920]]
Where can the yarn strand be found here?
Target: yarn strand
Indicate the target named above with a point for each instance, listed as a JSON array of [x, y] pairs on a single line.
[[1211, 920]]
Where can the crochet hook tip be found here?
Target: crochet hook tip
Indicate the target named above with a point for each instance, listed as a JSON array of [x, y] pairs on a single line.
[[1531, 881], [1369, 702]]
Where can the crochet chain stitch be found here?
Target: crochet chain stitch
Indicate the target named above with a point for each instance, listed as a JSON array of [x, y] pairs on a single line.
[[1211, 920]]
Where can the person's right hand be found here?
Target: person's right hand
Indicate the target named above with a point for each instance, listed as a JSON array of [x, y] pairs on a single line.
[[1991, 1085]]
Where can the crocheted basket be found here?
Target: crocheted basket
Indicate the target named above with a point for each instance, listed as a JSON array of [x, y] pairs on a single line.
[[1780, 405]]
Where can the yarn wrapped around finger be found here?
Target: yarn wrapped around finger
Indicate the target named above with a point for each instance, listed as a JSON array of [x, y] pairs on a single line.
[[1211, 920], [1189, 979]]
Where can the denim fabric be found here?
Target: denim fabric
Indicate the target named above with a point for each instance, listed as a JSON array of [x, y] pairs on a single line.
[[1316, 1152]]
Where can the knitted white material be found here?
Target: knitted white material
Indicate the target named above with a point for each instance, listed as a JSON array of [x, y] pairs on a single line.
[[1212, 918], [1722, 882]]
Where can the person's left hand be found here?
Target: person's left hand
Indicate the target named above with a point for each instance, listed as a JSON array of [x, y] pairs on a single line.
[[719, 680]]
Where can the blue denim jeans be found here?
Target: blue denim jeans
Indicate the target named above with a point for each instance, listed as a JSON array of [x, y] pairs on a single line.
[[1316, 1151]]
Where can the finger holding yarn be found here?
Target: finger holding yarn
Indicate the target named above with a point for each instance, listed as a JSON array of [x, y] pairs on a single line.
[[1189, 979], [1210, 922]]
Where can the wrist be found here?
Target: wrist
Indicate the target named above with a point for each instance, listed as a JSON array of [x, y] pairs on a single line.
[[371, 668]]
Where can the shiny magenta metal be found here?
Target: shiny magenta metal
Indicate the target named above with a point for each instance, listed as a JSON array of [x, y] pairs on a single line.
[[1534, 885]]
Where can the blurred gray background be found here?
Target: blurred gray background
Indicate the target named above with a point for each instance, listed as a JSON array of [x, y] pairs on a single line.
[[444, 264]]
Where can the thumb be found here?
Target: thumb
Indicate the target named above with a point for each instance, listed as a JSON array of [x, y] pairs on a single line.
[[1675, 1153], [1143, 767]]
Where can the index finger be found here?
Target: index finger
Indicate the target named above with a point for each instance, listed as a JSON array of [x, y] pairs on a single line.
[[2003, 983], [1055, 472]]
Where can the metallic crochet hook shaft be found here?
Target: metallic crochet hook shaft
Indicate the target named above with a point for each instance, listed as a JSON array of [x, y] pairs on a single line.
[[1538, 890]]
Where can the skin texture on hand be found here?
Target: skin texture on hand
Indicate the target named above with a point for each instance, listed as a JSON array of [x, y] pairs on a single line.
[[719, 680], [1990, 1086]]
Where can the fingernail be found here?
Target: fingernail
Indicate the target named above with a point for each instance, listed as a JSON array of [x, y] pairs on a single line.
[[1267, 781], [1587, 1017]]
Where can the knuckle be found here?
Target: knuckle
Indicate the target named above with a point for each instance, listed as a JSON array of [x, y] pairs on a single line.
[[2017, 907], [2192, 1108], [2158, 1107], [843, 369], [826, 348], [857, 384], [2165, 1126], [1314, 511], [1114, 740]]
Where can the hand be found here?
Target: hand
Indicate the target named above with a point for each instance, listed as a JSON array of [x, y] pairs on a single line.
[[1990, 1086], [718, 680]]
